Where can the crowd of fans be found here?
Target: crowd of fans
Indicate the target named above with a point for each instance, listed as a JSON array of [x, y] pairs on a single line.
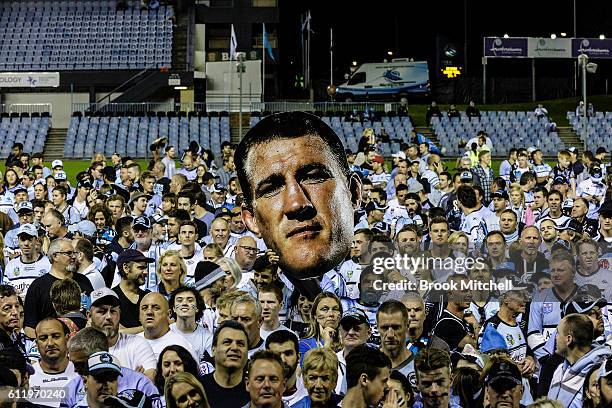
[[201, 284]]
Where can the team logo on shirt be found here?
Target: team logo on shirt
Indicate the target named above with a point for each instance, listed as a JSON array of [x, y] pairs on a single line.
[[604, 263], [41, 272], [16, 272], [547, 307], [510, 339]]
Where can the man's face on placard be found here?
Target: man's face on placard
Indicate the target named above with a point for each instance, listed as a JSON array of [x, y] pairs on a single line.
[[302, 203]]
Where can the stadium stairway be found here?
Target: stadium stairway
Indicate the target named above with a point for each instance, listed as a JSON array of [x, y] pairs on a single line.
[[234, 128], [569, 137], [179, 50], [54, 147]]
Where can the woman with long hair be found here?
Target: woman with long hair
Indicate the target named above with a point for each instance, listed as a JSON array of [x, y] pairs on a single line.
[[174, 359], [171, 272], [11, 180], [185, 390], [233, 274], [100, 215], [299, 312], [590, 388], [323, 326]]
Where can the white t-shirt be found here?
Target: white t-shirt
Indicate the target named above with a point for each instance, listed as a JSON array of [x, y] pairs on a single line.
[[200, 339], [21, 275], [191, 264], [94, 276], [41, 380], [134, 351], [170, 338], [298, 395]]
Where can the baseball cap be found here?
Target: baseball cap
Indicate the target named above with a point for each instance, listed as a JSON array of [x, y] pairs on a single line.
[[559, 180], [142, 221], [561, 244], [573, 149], [132, 255], [399, 155], [28, 229], [373, 205], [531, 149], [57, 163], [102, 362], [503, 372], [84, 184], [353, 317], [601, 150], [206, 273], [586, 298], [159, 219], [19, 189], [606, 369], [130, 398], [378, 159], [466, 176], [606, 209], [60, 175], [84, 227], [24, 206], [208, 176], [104, 296], [415, 187], [571, 225], [505, 268], [218, 188], [500, 194], [221, 211]]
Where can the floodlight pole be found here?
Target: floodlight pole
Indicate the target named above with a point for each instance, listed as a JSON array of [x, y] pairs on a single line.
[[582, 62], [484, 80]]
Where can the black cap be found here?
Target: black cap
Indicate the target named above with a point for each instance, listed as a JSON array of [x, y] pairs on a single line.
[[503, 371], [606, 209], [354, 316], [130, 398], [206, 273], [601, 150], [466, 176], [142, 221], [85, 183], [501, 194], [132, 255], [586, 298], [572, 225], [559, 180], [373, 205]]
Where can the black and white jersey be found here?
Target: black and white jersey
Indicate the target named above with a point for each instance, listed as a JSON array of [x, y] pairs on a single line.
[[21, 274], [514, 335]]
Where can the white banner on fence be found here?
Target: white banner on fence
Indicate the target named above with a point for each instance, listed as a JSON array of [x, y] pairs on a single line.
[[549, 48], [29, 79]]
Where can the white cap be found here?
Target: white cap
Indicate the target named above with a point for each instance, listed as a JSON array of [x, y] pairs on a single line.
[[102, 293], [24, 205], [28, 229], [400, 155], [57, 163], [60, 175]]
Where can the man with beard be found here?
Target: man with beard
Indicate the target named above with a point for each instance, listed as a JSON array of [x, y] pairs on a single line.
[[546, 307], [574, 343], [132, 267], [62, 257], [350, 270], [392, 320], [225, 387], [133, 351], [299, 193], [101, 380], [286, 345], [53, 369], [499, 199], [367, 379], [456, 327], [245, 253], [84, 251], [408, 240], [20, 272], [354, 331], [143, 242], [550, 235], [529, 260]]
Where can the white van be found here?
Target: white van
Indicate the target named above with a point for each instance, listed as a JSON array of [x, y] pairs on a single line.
[[393, 80]]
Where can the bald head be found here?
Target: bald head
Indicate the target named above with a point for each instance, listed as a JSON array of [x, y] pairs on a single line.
[[154, 315], [246, 253]]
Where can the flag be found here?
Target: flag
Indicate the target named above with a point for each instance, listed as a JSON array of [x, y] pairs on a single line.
[[306, 23], [233, 45], [266, 43]]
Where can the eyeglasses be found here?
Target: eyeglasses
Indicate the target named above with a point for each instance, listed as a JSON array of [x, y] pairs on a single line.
[[67, 253], [248, 249]]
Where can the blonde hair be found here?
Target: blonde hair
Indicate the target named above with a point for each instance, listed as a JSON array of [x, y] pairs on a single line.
[[234, 269], [545, 403], [454, 237], [320, 359], [181, 263], [516, 188], [184, 378], [226, 299]]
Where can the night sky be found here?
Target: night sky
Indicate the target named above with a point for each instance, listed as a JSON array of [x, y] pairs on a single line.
[[365, 31]]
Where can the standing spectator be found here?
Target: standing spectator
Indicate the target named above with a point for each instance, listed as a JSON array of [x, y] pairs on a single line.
[[63, 265], [9, 316], [367, 378], [433, 372], [132, 270], [285, 344], [172, 360], [21, 271], [432, 111], [271, 299], [503, 383], [132, 350], [226, 385], [186, 388], [60, 201], [169, 162], [320, 372], [54, 369], [355, 331], [84, 251], [265, 380], [187, 308], [247, 310], [155, 321]]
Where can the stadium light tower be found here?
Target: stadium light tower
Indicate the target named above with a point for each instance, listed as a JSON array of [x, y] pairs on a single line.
[[591, 68], [602, 37]]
